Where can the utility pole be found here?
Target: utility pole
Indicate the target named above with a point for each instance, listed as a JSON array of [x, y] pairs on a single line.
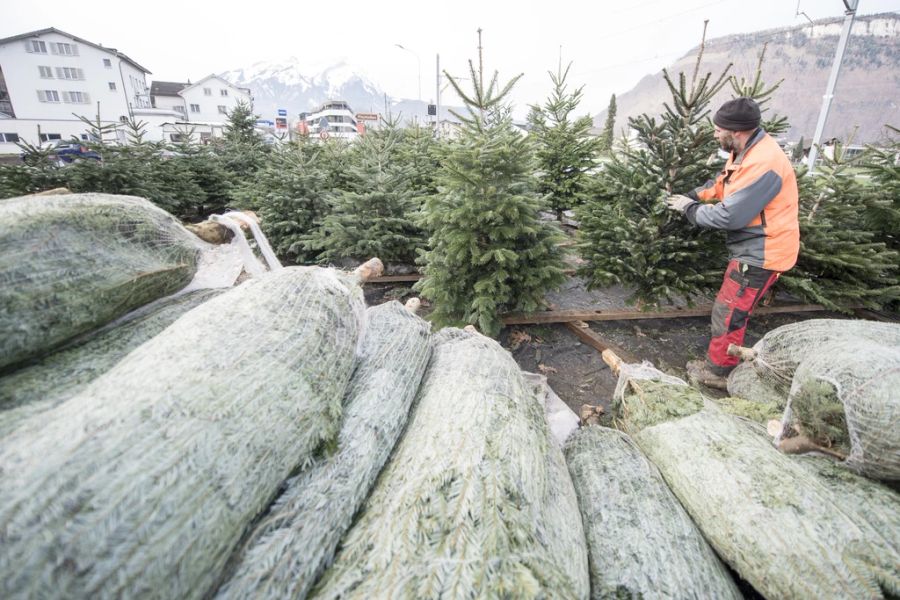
[[849, 13]]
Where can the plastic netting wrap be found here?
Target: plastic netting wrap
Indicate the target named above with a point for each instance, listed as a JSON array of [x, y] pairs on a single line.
[[838, 380], [299, 536], [63, 374], [142, 484], [791, 530], [846, 395], [476, 500], [73, 262], [641, 542], [744, 381], [781, 350]]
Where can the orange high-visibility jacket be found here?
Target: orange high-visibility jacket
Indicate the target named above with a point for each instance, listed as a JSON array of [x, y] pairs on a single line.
[[758, 208]]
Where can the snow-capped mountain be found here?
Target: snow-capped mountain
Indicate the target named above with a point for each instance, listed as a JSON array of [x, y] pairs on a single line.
[[304, 87], [300, 87]]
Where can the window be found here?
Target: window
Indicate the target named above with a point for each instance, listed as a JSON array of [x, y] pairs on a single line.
[[69, 73], [207, 91], [112, 86], [107, 63], [205, 136], [178, 109], [48, 95], [64, 49], [46, 72], [223, 92], [46, 137], [9, 137], [195, 108], [223, 110], [177, 137], [76, 97], [36, 46]]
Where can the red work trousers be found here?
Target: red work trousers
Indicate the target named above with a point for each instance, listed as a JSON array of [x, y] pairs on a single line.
[[742, 288]]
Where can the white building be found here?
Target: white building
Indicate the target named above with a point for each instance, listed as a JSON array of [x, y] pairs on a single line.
[[47, 75], [334, 119], [201, 107]]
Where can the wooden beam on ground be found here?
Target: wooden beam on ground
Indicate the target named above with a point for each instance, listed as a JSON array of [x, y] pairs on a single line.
[[395, 278], [569, 316], [584, 333]]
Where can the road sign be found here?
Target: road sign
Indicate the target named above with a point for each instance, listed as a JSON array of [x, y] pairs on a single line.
[[281, 123], [282, 112], [366, 116]]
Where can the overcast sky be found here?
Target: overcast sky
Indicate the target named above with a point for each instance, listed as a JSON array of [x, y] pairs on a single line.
[[611, 44]]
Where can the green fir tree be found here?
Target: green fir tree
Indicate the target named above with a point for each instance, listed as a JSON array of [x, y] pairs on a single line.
[[488, 252], [628, 235], [242, 148], [288, 193], [608, 133], [565, 150], [375, 214]]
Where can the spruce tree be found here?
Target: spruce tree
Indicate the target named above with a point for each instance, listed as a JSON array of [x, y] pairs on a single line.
[[242, 149], [842, 262], [881, 165], [627, 233], [608, 133], [488, 252], [288, 194], [564, 147], [375, 214]]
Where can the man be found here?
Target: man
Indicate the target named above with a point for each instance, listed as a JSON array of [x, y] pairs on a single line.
[[755, 200]]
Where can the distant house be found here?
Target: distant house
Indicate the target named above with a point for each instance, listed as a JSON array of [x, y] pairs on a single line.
[[47, 77], [201, 108]]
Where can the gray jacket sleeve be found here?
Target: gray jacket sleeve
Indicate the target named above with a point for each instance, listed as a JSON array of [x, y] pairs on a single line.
[[738, 209]]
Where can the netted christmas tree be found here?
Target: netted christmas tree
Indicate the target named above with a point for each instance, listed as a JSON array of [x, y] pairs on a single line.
[[488, 252], [375, 214], [564, 147], [627, 234], [288, 193]]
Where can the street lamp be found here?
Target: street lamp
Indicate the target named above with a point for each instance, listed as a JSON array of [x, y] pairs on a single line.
[[418, 63]]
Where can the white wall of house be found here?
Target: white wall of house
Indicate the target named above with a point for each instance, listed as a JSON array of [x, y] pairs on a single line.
[[174, 103], [52, 75], [210, 99]]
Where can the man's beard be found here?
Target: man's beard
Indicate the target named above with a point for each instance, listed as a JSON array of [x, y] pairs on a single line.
[[728, 144]]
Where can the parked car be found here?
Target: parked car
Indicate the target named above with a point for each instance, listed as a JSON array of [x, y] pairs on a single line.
[[69, 152], [65, 153]]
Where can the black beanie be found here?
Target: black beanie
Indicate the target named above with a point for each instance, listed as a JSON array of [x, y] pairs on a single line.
[[740, 114]]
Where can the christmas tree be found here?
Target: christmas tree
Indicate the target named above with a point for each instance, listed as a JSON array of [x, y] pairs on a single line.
[[374, 215], [488, 252], [842, 262], [288, 193], [242, 149], [608, 133], [627, 234], [565, 149]]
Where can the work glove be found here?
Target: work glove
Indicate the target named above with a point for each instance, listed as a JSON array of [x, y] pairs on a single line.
[[679, 202]]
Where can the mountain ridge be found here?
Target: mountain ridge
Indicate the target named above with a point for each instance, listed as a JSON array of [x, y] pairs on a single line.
[[866, 96]]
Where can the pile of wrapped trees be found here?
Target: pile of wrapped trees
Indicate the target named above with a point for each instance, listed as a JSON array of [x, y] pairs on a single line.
[[791, 526], [220, 443], [279, 439], [835, 383]]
